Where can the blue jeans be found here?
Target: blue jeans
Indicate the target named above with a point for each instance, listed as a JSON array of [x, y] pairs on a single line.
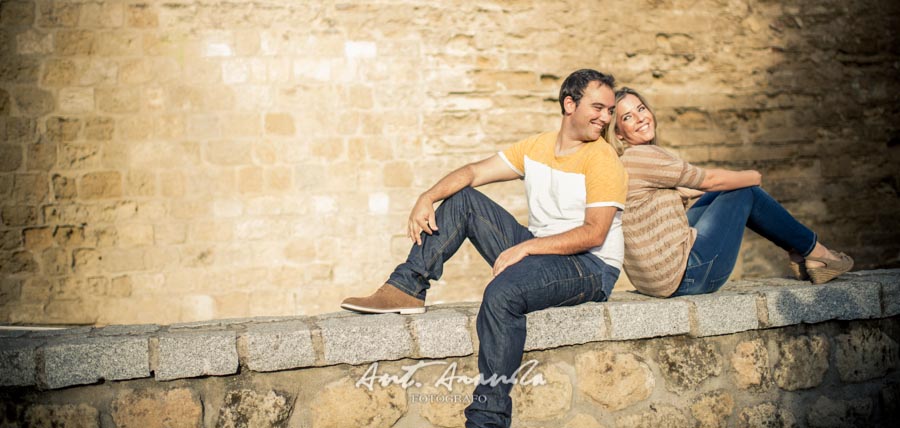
[[535, 283], [720, 218]]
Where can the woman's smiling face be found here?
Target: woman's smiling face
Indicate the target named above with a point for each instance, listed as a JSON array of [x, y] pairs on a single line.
[[635, 123]]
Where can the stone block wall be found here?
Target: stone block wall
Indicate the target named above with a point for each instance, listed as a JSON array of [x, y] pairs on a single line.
[[182, 160], [762, 353]]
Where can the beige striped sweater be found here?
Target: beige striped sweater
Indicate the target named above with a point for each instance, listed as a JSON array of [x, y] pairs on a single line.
[[658, 238]]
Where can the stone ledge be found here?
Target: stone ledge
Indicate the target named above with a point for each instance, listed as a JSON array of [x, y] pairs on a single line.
[[60, 358]]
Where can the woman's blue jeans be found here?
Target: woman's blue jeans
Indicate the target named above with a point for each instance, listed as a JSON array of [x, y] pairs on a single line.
[[535, 283], [720, 218]]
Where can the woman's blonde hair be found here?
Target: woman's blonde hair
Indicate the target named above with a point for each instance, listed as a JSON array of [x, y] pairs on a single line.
[[611, 137]]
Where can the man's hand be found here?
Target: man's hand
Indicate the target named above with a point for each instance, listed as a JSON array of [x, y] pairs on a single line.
[[421, 219], [509, 257]]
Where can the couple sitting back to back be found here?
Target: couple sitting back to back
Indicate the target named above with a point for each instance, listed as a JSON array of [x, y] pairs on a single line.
[[582, 229]]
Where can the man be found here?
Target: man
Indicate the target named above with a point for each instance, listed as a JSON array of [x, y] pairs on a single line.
[[571, 252]]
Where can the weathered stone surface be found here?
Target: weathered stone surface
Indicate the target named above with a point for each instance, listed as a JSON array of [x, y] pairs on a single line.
[[81, 361], [828, 413], [687, 364], [766, 415], [812, 304], [864, 354], [657, 416], [380, 407], [279, 346], [150, 408], [802, 362], [443, 404], [637, 320], [750, 362], [613, 381], [554, 327], [10, 157], [543, 400], [67, 415], [712, 410], [724, 313], [357, 339], [126, 330], [190, 354], [442, 333], [17, 362], [247, 408], [582, 420]]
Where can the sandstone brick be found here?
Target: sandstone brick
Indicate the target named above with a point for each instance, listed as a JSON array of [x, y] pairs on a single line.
[[157, 408], [19, 262], [228, 153], [547, 400], [248, 408], [100, 185], [17, 13], [613, 381], [5, 104], [172, 184], [118, 100], [76, 100], [278, 179], [10, 240], [60, 129], [18, 215], [250, 180], [713, 409], [62, 72], [58, 13], [32, 102], [41, 156], [766, 414], [103, 72], [802, 362], [658, 416], [398, 174], [241, 125], [279, 124], [828, 413], [34, 43], [10, 157], [686, 365], [750, 362], [379, 407], [20, 69], [39, 238], [102, 15], [141, 15], [140, 183], [99, 128], [864, 354], [74, 42], [63, 187], [65, 415]]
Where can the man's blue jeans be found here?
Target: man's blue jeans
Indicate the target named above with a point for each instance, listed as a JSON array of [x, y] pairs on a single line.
[[720, 218], [535, 283]]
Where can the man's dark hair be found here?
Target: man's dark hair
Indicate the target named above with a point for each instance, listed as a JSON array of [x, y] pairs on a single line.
[[575, 84]]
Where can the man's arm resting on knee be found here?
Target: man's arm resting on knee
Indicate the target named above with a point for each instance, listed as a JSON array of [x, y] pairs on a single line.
[[490, 170], [597, 222]]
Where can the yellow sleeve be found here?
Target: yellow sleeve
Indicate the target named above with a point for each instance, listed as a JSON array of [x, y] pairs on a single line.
[[514, 156], [605, 178]]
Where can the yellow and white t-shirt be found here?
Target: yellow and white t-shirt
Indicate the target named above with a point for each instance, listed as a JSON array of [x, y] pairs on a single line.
[[559, 188]]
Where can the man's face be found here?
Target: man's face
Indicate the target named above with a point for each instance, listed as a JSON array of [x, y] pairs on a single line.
[[593, 113]]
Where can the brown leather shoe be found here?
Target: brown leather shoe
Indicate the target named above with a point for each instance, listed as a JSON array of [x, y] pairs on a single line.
[[387, 299]]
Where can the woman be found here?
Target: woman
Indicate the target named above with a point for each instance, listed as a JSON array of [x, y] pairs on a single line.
[[670, 252]]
